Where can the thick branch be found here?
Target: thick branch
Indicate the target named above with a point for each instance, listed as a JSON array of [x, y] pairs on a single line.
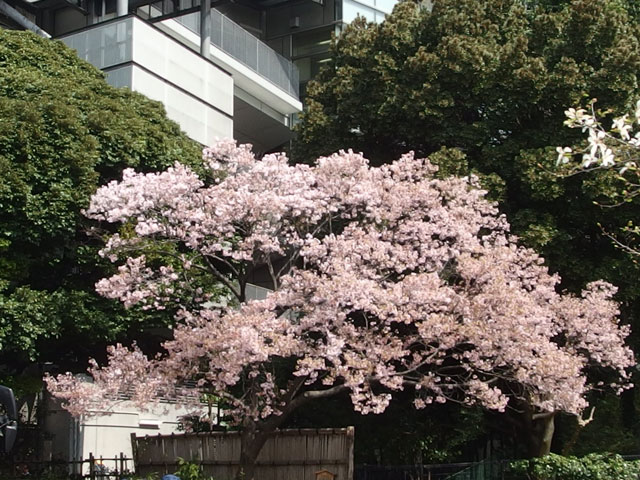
[[542, 415], [233, 269], [275, 421], [219, 276]]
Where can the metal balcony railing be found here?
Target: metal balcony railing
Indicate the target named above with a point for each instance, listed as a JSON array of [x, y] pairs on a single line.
[[235, 41]]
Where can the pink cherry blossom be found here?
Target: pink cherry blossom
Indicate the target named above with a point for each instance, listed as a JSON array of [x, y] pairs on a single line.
[[383, 279]]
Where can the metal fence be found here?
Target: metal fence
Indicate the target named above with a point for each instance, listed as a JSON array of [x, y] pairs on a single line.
[[92, 468], [235, 41], [488, 470]]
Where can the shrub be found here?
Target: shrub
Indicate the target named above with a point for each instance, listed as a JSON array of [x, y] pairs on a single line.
[[596, 466]]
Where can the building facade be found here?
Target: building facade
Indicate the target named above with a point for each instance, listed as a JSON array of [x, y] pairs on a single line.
[[106, 434], [222, 68]]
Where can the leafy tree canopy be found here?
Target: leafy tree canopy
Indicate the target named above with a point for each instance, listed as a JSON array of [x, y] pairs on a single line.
[[491, 79], [63, 131], [482, 86], [385, 280]]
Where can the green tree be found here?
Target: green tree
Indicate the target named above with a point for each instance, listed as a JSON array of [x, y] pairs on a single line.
[[489, 81], [63, 132]]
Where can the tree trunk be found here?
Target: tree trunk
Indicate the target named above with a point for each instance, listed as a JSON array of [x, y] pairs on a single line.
[[251, 442], [541, 434], [254, 433]]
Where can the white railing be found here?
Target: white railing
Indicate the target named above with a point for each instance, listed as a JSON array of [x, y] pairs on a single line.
[[235, 41]]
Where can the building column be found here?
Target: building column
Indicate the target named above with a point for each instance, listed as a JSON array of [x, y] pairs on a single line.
[[122, 8], [205, 27], [20, 19]]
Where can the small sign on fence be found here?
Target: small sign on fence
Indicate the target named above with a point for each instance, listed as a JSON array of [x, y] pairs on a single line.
[[325, 475]]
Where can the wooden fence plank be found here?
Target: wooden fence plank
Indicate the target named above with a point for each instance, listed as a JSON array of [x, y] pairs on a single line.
[[286, 455]]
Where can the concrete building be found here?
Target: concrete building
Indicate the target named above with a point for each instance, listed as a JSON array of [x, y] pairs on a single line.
[[223, 68], [106, 434]]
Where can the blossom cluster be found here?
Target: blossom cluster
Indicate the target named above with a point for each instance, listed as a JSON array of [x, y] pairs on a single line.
[[604, 145], [382, 279]]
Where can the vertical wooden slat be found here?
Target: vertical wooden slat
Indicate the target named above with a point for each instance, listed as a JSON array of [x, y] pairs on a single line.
[[164, 453], [287, 455], [351, 437]]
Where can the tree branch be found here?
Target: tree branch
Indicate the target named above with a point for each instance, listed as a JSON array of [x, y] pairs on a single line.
[[275, 421], [219, 276]]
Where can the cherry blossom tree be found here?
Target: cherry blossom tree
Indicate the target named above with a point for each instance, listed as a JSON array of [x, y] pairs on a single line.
[[383, 279]]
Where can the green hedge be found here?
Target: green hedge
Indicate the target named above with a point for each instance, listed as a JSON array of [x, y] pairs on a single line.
[[596, 466], [63, 132]]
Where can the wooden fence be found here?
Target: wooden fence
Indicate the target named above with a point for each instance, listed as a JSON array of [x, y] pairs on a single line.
[[287, 455]]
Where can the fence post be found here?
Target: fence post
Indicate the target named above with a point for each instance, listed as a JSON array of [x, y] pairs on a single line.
[[121, 463], [92, 466], [134, 452]]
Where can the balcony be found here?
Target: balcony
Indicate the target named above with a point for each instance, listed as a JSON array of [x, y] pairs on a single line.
[[244, 89], [265, 83], [196, 93], [235, 41]]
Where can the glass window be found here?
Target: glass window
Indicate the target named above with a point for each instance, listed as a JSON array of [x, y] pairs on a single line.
[[110, 6], [309, 67], [281, 45], [310, 43], [304, 67]]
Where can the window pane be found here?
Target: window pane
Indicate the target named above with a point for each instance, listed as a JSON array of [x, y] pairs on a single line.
[[310, 43]]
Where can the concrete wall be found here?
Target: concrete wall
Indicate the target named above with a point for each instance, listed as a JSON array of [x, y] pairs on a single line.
[[196, 93], [106, 432]]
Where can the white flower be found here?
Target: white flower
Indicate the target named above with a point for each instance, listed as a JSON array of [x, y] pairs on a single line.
[[622, 126], [587, 160], [563, 155], [627, 166], [608, 158]]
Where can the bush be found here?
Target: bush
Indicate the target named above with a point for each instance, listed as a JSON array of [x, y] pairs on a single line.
[[596, 466]]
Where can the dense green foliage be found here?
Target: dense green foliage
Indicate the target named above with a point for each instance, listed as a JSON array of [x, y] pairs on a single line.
[[402, 435], [590, 467], [489, 81], [63, 132], [190, 470]]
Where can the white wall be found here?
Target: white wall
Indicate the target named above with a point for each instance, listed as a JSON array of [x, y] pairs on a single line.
[[372, 10], [179, 65], [107, 433], [196, 94]]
